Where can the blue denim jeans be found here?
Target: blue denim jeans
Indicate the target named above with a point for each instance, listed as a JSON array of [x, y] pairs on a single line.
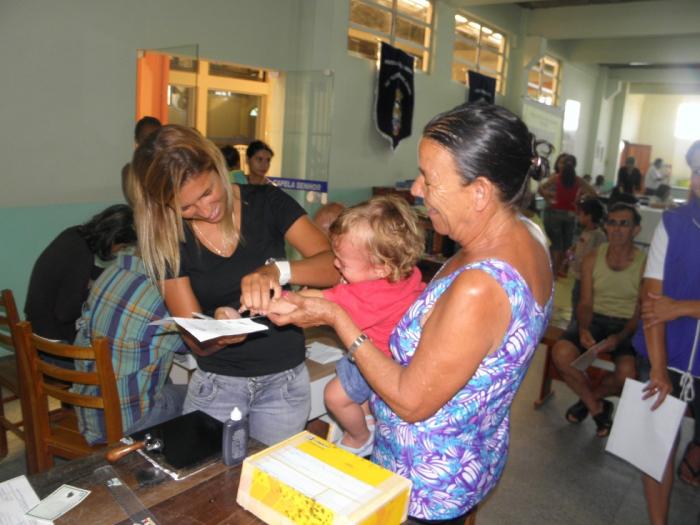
[[353, 381], [168, 404], [277, 405], [559, 226]]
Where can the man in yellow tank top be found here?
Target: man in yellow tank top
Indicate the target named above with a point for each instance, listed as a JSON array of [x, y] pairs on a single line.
[[607, 313]]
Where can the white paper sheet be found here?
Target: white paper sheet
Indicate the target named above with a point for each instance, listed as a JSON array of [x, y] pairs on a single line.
[[16, 497], [58, 503], [323, 353], [642, 436], [206, 329], [586, 359]]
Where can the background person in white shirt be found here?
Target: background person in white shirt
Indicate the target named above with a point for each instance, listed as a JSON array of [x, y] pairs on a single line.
[[654, 177]]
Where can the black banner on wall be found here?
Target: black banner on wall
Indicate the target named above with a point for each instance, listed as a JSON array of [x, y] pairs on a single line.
[[481, 88], [394, 97]]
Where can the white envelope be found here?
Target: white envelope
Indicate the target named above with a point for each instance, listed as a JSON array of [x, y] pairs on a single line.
[[641, 436]]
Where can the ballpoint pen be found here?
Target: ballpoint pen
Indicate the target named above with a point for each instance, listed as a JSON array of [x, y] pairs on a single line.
[[199, 315]]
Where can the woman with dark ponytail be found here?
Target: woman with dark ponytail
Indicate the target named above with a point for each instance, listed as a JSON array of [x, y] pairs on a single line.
[[64, 271], [561, 192], [460, 352]]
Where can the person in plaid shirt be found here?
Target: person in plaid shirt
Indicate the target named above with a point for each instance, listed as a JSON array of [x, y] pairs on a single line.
[[121, 304]]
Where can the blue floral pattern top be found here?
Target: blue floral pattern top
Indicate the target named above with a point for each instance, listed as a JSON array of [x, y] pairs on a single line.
[[455, 457]]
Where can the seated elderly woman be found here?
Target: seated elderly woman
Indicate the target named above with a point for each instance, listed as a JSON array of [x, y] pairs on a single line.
[[64, 271], [461, 350]]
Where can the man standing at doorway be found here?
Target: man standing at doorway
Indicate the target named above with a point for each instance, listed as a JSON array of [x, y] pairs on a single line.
[[629, 178]]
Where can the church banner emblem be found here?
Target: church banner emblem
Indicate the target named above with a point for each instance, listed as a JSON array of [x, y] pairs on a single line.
[[394, 97], [481, 88]]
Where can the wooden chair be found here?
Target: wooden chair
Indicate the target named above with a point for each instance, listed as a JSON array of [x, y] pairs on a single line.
[[9, 378], [57, 434]]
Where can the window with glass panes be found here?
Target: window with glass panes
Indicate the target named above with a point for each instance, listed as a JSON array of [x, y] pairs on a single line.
[[406, 24], [543, 81], [479, 48]]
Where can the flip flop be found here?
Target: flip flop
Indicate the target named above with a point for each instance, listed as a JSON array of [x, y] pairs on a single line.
[[603, 420], [692, 476], [577, 412]]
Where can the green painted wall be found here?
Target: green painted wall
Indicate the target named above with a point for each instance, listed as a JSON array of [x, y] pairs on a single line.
[[70, 70]]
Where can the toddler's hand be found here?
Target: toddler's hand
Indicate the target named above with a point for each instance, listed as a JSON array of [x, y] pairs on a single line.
[[281, 307]]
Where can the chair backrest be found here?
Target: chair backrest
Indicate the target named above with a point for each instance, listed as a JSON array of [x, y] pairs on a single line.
[[8, 318], [11, 372], [103, 377]]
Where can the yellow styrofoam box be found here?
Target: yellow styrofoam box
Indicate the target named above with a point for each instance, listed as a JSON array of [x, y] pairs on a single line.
[[308, 481]]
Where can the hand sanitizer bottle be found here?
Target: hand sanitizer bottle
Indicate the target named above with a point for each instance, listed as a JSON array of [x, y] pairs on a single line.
[[235, 440]]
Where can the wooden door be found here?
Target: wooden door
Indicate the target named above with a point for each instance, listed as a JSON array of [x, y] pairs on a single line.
[[641, 154]]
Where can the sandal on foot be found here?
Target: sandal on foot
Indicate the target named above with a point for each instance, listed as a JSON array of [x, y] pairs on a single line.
[[603, 420], [577, 412], [690, 476]]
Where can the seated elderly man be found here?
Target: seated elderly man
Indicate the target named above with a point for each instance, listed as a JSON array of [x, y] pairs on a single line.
[[607, 313], [121, 304]]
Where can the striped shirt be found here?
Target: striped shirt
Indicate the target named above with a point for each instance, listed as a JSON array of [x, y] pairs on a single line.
[[121, 304]]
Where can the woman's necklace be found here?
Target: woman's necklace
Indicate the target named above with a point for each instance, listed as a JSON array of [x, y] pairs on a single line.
[[221, 253]]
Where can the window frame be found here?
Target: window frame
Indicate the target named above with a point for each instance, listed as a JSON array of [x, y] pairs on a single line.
[[203, 81], [539, 68], [362, 32], [479, 68]]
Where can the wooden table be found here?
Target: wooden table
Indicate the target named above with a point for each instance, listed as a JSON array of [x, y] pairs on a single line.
[[205, 498]]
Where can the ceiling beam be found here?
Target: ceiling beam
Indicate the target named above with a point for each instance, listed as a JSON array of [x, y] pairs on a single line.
[[659, 50], [634, 19], [467, 3], [656, 76], [664, 89]]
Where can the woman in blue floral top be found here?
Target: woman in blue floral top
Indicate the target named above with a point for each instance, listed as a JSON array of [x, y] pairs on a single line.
[[461, 351]]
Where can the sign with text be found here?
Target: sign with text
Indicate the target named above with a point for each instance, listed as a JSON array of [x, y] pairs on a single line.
[[319, 186]]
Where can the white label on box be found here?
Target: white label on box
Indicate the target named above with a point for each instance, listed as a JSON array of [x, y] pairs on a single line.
[[316, 479]]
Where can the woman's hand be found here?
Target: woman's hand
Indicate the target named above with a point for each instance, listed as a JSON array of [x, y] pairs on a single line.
[[659, 383], [657, 309], [226, 312], [308, 311], [256, 288], [213, 346]]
